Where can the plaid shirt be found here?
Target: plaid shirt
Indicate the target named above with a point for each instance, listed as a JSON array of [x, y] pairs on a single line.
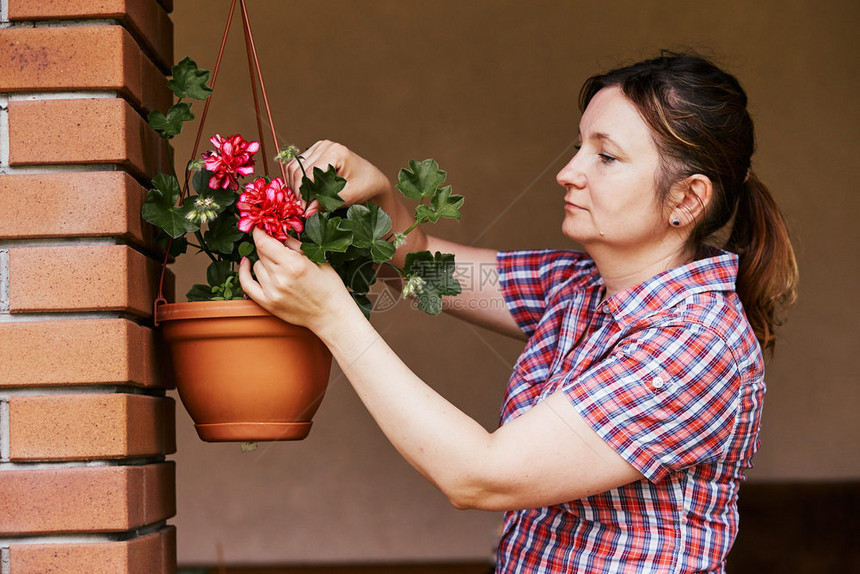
[[669, 374]]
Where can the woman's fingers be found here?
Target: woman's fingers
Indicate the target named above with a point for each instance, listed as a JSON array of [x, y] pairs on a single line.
[[311, 157], [249, 285], [364, 181], [293, 243], [268, 248]]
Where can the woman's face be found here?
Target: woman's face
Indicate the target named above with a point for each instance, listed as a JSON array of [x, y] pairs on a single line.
[[611, 192]]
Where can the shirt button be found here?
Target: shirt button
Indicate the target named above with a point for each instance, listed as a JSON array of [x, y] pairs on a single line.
[[657, 383]]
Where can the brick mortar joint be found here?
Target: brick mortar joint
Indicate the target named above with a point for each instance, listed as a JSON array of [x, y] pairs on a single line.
[[70, 23], [8, 392], [77, 538], [128, 462]]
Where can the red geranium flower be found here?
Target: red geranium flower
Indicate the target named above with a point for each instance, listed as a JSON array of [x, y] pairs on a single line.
[[232, 161], [272, 207]]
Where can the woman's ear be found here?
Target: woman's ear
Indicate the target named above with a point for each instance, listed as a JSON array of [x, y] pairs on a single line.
[[689, 198]]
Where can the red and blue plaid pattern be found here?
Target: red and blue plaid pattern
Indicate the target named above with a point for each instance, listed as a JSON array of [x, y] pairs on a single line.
[[668, 373]]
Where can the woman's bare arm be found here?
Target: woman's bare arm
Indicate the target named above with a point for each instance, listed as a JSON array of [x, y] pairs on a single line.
[[547, 455]]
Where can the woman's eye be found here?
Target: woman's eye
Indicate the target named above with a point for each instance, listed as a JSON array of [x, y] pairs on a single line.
[[605, 158]]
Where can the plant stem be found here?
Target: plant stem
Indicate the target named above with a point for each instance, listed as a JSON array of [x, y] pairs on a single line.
[[415, 224], [203, 245], [301, 166]]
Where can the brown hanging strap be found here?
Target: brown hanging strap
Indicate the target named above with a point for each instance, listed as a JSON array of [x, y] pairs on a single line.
[[256, 74]]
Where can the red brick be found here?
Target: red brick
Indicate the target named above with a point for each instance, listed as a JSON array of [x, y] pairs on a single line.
[[91, 130], [150, 554], [82, 278], [73, 204], [61, 59], [148, 19], [86, 499], [77, 352], [90, 426]]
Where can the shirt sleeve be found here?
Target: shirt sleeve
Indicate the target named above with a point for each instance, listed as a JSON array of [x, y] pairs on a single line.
[[529, 279], [665, 399]]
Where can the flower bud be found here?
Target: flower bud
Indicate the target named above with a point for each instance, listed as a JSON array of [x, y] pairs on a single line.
[[287, 154], [414, 285], [203, 210]]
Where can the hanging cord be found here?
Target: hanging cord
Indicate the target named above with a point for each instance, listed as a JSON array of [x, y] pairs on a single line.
[[257, 114], [256, 74], [160, 300], [252, 49]]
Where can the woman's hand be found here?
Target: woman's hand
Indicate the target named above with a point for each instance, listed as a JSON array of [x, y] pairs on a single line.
[[291, 286], [364, 181]]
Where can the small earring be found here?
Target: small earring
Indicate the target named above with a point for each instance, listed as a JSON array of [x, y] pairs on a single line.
[[676, 222]]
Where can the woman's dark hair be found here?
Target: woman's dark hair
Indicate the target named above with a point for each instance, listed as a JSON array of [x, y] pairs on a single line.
[[699, 121]]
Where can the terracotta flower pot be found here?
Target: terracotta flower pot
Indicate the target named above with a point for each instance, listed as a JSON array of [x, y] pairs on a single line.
[[242, 373]]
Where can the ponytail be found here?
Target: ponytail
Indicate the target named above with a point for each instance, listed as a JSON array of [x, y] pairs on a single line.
[[767, 275]]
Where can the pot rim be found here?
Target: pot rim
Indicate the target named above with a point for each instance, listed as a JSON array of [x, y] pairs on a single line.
[[210, 309]]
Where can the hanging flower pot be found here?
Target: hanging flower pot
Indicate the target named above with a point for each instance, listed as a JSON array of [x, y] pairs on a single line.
[[243, 374]]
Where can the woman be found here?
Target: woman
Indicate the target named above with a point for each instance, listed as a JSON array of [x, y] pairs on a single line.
[[635, 407]]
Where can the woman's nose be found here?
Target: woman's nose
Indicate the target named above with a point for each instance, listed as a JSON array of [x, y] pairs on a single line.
[[571, 175]]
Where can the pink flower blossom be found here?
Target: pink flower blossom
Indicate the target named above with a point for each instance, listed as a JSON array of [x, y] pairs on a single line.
[[272, 207], [232, 160]]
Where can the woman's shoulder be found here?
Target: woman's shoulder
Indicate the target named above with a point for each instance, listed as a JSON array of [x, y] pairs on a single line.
[[716, 315]]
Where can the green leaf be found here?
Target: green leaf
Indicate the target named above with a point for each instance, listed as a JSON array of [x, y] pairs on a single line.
[[437, 273], [218, 272], [382, 251], [223, 234], [199, 293], [200, 181], [222, 197], [369, 225], [246, 248], [442, 204], [323, 235], [178, 245], [167, 187], [358, 274], [189, 80], [160, 207], [421, 180], [324, 187], [170, 125]]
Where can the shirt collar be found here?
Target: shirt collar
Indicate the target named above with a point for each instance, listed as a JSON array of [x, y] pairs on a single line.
[[715, 270]]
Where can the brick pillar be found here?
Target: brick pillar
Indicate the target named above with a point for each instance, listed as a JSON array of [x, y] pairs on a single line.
[[84, 421]]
